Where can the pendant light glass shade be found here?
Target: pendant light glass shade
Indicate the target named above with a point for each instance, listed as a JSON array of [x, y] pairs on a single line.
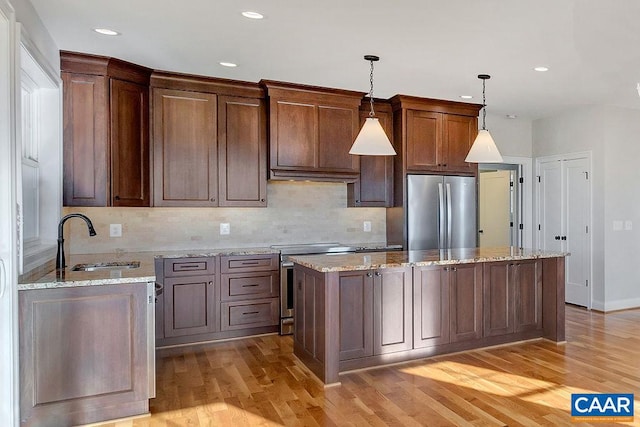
[[372, 139], [484, 149]]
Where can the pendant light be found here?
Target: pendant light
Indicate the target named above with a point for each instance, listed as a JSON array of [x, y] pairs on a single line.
[[372, 139], [484, 150]]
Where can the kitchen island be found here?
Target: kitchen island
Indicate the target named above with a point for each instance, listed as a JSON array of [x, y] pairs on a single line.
[[355, 311]]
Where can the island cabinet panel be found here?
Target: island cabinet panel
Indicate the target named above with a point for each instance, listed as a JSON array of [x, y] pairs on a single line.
[[185, 148], [242, 136], [83, 354], [465, 281], [374, 186], [106, 131], [356, 314], [431, 322], [512, 297], [309, 325], [393, 310], [311, 132]]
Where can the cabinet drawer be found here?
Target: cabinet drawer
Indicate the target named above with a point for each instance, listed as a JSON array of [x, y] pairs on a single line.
[[250, 286], [241, 263], [249, 314], [189, 266]]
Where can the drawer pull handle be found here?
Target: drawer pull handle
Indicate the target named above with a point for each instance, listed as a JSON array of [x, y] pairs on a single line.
[[188, 267], [251, 312], [250, 286]]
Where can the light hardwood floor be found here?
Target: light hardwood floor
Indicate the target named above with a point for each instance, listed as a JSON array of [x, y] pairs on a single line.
[[258, 382]]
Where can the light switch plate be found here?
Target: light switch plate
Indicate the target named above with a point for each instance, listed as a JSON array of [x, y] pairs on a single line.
[[366, 226], [225, 228], [115, 230], [628, 225]]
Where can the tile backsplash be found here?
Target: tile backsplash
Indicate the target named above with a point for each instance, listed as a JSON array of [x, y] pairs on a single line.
[[297, 212]]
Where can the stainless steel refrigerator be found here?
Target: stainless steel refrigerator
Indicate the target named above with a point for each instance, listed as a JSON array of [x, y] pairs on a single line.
[[441, 212]]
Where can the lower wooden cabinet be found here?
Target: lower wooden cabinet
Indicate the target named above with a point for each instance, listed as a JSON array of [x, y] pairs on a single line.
[[375, 312], [512, 297], [447, 304], [209, 298], [84, 354]]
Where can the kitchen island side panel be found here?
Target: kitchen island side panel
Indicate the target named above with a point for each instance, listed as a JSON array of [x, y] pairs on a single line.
[[553, 298]]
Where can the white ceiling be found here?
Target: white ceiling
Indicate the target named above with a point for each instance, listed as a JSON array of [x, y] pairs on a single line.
[[428, 48]]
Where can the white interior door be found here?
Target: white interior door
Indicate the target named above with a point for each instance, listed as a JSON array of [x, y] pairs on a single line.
[[9, 413], [576, 238], [495, 208], [550, 209]]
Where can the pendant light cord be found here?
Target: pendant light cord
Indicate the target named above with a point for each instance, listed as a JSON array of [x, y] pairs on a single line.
[[371, 113], [484, 107]]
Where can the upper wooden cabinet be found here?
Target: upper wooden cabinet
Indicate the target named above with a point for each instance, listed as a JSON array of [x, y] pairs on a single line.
[[106, 131], [311, 132], [209, 142], [374, 188], [434, 136]]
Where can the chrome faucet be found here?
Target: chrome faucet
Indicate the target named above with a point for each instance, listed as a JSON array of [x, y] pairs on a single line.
[[60, 262]]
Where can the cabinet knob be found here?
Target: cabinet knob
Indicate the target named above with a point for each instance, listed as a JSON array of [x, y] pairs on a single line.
[[117, 197], [262, 200], [378, 274], [369, 274], [564, 237], [445, 165], [213, 199], [557, 237]]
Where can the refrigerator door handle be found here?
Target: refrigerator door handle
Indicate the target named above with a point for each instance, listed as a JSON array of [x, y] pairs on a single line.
[[441, 230], [449, 219]]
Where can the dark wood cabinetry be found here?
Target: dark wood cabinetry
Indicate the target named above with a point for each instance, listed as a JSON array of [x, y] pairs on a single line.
[[512, 297], [83, 354], [209, 140], [447, 304], [311, 132], [211, 298], [189, 297], [433, 137], [374, 187], [375, 312], [106, 131]]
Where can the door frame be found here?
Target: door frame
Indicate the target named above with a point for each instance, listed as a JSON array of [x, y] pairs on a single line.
[[538, 215]]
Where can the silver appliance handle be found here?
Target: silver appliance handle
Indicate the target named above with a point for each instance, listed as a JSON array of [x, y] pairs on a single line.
[[151, 337], [448, 216], [3, 278], [440, 217], [287, 264]]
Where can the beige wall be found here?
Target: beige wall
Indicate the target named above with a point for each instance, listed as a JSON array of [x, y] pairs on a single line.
[[298, 212]]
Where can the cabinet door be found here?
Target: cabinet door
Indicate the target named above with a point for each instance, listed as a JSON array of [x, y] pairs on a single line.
[[294, 132], [375, 185], [129, 144], [527, 283], [431, 306], [459, 134], [465, 282], [242, 161], [189, 306], [185, 148], [498, 299], [392, 303], [337, 129], [356, 314], [85, 116], [423, 141]]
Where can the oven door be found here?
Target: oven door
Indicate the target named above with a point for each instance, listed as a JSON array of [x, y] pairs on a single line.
[[286, 298]]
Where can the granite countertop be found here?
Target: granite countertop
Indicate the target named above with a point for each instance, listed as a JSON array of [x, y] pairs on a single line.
[[144, 273], [364, 261]]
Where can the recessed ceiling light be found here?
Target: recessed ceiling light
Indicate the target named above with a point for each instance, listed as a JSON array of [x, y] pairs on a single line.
[[466, 96], [106, 32], [252, 15], [228, 64], [541, 69], [511, 116]]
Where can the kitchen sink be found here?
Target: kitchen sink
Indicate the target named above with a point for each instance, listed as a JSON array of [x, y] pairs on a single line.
[[106, 266]]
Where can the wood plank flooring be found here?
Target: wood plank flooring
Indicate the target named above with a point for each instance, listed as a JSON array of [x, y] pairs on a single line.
[[258, 382]]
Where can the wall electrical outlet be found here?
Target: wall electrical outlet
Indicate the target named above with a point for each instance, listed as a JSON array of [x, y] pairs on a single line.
[[225, 228], [628, 225], [366, 226], [115, 230]]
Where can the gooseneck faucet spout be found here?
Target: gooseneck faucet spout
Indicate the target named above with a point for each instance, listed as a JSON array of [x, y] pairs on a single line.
[[60, 261]]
